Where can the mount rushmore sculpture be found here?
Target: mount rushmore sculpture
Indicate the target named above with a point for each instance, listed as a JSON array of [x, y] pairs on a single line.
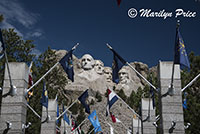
[[92, 74]]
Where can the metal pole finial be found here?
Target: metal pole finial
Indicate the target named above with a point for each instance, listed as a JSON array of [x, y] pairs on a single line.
[[108, 46], [178, 23], [75, 46]]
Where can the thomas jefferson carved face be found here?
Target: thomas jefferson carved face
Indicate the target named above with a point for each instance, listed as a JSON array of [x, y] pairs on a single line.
[[123, 76], [108, 74], [99, 66], [87, 62]]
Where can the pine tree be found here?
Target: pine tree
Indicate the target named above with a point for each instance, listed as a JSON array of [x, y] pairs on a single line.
[[17, 49], [55, 83], [191, 114]]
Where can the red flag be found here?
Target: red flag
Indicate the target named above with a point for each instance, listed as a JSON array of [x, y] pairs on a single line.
[[118, 2], [30, 82], [114, 119]]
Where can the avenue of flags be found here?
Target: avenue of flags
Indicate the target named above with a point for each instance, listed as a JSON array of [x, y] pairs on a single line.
[[180, 57]]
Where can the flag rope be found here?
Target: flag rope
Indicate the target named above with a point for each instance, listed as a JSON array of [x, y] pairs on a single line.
[[48, 71]]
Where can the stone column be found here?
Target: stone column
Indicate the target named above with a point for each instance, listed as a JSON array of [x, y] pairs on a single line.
[[170, 106], [66, 127], [50, 126], [14, 108], [148, 127], [136, 125]]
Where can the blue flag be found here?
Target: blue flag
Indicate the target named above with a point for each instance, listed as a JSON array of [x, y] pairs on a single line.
[[65, 118], [82, 99], [67, 64], [185, 101], [95, 121], [57, 121], [117, 64], [2, 46], [180, 56], [44, 100], [152, 97]]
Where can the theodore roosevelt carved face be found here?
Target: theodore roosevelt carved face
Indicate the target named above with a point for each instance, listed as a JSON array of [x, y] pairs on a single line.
[[108, 73]]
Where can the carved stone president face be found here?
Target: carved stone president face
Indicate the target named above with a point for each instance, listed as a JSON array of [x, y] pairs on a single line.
[[87, 62], [123, 76], [98, 67], [108, 73]]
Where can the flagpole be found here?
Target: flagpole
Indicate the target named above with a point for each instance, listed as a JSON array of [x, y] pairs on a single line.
[[110, 126], [126, 104], [142, 76], [79, 125], [48, 71], [173, 67], [64, 126], [191, 82], [66, 109], [33, 110], [8, 69], [91, 131], [125, 126], [136, 71]]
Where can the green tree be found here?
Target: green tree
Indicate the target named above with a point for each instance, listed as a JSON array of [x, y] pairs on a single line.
[[55, 82], [17, 49], [122, 94], [191, 114]]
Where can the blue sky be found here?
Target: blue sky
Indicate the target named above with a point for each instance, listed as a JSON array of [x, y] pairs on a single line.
[[61, 24]]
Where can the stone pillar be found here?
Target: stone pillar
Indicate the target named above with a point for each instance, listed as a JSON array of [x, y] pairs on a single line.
[[50, 126], [136, 125], [170, 106], [66, 127], [148, 127], [14, 108]]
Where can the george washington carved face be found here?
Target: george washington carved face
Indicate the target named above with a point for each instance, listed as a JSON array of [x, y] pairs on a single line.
[[87, 62]]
